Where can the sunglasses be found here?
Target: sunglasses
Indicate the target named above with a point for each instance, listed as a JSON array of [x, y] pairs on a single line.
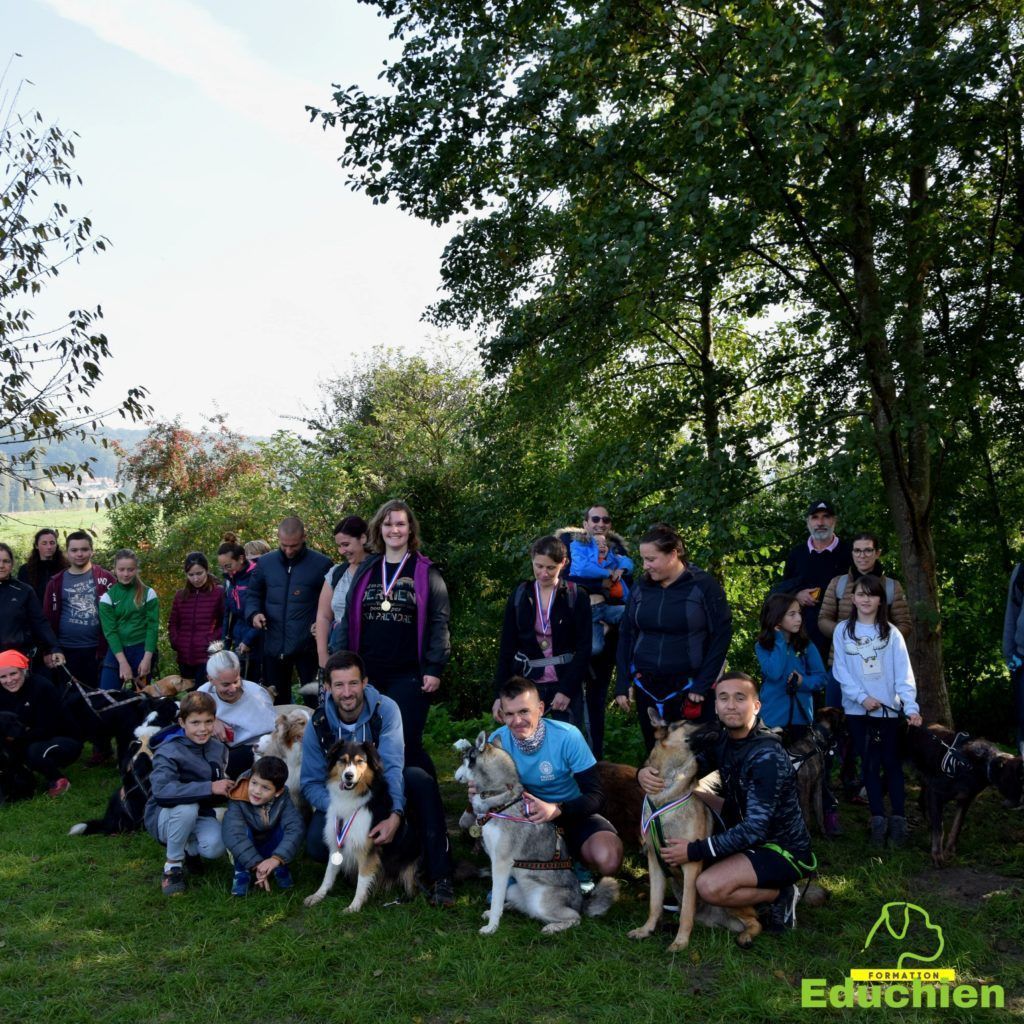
[[600, 519]]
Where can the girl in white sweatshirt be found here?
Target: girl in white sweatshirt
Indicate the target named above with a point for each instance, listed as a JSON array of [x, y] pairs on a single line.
[[873, 669]]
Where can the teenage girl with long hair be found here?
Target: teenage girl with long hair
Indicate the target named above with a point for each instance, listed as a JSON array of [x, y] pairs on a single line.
[[130, 617], [871, 664]]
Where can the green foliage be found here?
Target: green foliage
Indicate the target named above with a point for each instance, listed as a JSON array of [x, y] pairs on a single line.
[[47, 373]]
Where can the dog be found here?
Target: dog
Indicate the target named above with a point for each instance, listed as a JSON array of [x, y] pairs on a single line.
[[359, 801], [675, 813], [808, 754], [532, 855], [127, 805], [16, 780], [285, 742], [954, 768], [623, 801]]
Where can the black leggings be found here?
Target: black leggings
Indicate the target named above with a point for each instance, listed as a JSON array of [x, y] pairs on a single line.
[[877, 740], [50, 757], [406, 690]]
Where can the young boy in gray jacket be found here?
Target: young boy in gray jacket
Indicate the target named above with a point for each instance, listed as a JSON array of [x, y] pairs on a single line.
[[262, 828], [189, 774]]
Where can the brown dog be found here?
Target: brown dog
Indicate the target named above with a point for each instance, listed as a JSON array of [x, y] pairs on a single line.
[[808, 756], [684, 816], [623, 800]]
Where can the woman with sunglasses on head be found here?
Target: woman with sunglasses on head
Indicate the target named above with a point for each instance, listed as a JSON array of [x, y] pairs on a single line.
[[396, 620], [674, 637]]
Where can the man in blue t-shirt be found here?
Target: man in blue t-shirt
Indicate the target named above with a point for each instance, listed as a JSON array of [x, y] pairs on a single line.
[[559, 775]]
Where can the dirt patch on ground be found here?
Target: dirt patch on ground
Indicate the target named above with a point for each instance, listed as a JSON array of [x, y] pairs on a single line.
[[965, 886]]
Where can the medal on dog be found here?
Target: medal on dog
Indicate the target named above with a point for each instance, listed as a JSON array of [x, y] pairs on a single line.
[[336, 858], [341, 831], [476, 831]]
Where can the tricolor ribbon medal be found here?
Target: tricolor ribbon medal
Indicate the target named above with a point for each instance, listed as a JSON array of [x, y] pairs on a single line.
[[385, 605], [340, 834], [545, 614]]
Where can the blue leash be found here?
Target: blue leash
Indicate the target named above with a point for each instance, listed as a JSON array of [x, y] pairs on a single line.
[[660, 704]]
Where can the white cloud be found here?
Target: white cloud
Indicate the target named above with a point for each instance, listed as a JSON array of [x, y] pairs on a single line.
[[187, 40]]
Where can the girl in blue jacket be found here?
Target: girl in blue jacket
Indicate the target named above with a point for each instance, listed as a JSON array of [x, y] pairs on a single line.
[[790, 664]]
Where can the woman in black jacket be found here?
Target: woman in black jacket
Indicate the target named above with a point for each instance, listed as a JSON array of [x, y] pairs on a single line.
[[547, 635], [44, 563], [37, 734], [23, 627]]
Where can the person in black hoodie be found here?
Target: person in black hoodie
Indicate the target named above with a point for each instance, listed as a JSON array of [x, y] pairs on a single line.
[[43, 742], [44, 563], [23, 627], [766, 848], [674, 637], [547, 636], [282, 600]]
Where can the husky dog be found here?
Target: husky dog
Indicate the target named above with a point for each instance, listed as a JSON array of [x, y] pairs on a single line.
[[675, 813], [360, 801], [285, 742], [531, 855]]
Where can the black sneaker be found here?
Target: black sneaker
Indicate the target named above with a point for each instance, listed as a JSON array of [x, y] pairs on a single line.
[[173, 882], [781, 915], [442, 894]]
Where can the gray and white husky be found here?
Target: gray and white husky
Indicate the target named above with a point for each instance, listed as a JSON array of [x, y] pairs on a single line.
[[550, 894]]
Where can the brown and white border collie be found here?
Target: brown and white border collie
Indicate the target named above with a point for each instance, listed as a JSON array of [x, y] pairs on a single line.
[[285, 742], [359, 801]]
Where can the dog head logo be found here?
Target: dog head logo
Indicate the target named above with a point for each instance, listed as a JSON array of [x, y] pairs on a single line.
[[897, 919]]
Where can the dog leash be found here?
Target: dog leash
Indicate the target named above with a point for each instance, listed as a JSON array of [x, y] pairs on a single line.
[[107, 695], [660, 704]]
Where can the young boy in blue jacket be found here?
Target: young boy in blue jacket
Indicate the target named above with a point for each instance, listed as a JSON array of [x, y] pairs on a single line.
[[593, 560]]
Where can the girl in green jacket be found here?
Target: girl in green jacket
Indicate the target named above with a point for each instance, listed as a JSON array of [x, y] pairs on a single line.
[[130, 617]]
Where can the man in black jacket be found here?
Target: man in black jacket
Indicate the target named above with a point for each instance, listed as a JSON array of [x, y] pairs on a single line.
[[766, 848], [282, 600]]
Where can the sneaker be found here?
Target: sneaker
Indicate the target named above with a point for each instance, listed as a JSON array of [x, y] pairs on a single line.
[[878, 825], [670, 908], [173, 882], [781, 915], [194, 864], [58, 787], [897, 831], [240, 885], [584, 877], [442, 894], [284, 877], [832, 828]]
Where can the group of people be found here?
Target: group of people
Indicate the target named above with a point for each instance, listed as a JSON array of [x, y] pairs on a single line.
[[376, 626]]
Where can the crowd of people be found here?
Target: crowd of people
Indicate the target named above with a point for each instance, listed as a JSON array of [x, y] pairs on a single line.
[[375, 628]]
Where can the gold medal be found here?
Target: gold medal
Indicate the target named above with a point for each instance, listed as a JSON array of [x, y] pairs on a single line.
[[544, 645], [385, 605], [476, 831]]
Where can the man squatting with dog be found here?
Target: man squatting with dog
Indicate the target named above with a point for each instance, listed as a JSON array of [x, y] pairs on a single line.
[[356, 712], [559, 774], [766, 848]]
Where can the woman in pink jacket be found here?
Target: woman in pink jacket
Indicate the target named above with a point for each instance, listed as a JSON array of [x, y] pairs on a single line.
[[196, 617]]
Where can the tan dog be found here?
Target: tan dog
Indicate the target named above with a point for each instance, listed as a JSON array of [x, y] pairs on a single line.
[[169, 686], [685, 816], [285, 742]]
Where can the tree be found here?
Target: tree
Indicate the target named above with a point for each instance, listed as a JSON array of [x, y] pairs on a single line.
[[616, 165], [47, 375]]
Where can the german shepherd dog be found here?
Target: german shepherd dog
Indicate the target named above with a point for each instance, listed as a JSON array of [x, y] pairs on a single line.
[[532, 855], [954, 768], [808, 755], [359, 801], [684, 816], [127, 804]]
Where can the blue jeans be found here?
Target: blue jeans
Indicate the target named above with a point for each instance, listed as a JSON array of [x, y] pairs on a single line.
[[600, 613], [110, 676]]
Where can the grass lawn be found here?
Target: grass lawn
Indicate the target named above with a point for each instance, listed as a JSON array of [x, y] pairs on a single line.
[[86, 936], [18, 528]]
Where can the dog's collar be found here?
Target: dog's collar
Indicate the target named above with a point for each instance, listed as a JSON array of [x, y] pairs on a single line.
[[653, 813], [496, 812]]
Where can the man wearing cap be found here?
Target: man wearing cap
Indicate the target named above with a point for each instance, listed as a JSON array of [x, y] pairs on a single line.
[[35, 734], [812, 565]]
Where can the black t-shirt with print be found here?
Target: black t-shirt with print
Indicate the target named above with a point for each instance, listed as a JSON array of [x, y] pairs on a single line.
[[387, 642]]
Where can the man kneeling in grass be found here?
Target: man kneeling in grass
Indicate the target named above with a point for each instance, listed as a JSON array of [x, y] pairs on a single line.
[[766, 849], [188, 776]]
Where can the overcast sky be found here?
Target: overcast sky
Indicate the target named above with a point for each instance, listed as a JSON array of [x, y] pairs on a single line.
[[242, 269]]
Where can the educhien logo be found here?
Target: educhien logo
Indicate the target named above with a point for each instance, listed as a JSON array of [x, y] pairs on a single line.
[[901, 986]]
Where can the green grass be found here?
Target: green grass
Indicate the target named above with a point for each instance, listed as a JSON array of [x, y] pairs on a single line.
[[86, 936], [18, 528]]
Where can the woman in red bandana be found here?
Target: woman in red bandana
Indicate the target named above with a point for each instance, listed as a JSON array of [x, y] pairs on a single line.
[[32, 723]]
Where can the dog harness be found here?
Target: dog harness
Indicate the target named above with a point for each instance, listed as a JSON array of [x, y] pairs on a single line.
[[953, 760], [660, 704], [650, 823], [555, 863]]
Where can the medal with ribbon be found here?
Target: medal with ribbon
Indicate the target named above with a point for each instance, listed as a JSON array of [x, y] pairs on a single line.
[[340, 834], [385, 605], [545, 615]]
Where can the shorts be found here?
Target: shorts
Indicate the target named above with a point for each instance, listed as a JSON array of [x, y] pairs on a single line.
[[775, 868], [578, 830]]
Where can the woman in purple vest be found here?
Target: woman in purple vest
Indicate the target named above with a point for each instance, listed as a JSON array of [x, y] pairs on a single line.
[[396, 619]]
